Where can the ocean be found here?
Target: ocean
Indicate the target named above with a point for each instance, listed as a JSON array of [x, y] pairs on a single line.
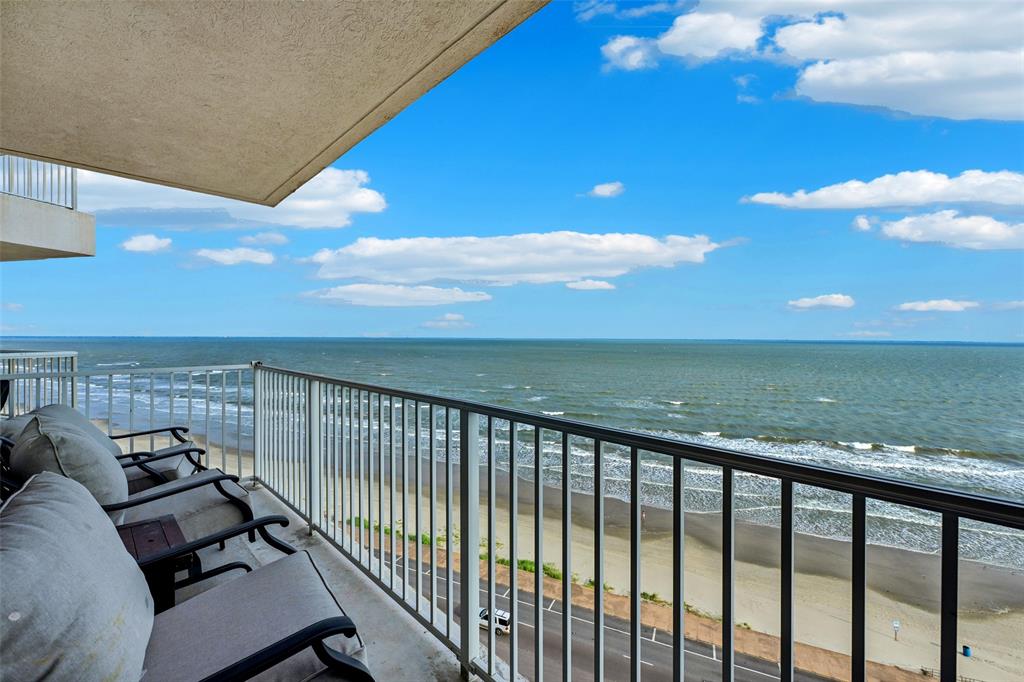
[[946, 414]]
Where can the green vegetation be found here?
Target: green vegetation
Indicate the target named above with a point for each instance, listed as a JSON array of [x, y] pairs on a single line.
[[528, 565], [653, 597], [590, 584]]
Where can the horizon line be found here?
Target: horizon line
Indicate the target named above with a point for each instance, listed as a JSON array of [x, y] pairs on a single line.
[[875, 341]]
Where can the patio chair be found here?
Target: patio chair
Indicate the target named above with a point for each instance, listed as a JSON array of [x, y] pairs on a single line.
[[76, 606], [184, 462], [201, 504]]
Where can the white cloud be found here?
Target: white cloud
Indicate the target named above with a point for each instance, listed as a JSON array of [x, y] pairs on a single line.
[[960, 60], [395, 296], [13, 307], [975, 232], [585, 11], [448, 321], [908, 188], [957, 85], [530, 258], [589, 9], [862, 223], [607, 190], [146, 243], [710, 35], [942, 305], [264, 239], [823, 301], [327, 201], [868, 334], [1009, 305], [237, 256], [590, 285], [630, 53]]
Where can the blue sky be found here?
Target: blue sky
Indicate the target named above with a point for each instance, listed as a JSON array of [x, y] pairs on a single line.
[[616, 171]]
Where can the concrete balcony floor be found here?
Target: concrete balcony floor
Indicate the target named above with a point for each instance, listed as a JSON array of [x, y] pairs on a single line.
[[398, 647]]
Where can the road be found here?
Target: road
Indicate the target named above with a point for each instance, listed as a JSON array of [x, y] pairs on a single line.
[[702, 662]]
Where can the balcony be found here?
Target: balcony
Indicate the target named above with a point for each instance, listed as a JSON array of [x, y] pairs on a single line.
[[375, 479], [39, 216]]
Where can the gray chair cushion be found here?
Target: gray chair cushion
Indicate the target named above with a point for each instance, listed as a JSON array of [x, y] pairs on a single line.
[[72, 416], [73, 603], [172, 468], [199, 512], [48, 444], [236, 619], [12, 428]]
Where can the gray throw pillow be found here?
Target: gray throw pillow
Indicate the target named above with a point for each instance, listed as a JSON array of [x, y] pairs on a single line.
[[12, 428], [53, 445], [73, 603], [73, 417]]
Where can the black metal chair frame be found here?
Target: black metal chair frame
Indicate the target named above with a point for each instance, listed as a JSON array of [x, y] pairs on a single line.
[[311, 636]]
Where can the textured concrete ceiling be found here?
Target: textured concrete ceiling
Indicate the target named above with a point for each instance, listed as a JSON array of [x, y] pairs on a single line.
[[247, 100]]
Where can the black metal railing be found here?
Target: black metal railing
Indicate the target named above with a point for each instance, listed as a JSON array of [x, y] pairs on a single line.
[[373, 424]]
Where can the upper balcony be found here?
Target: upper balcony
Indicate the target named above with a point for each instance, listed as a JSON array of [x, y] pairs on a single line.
[[39, 216]]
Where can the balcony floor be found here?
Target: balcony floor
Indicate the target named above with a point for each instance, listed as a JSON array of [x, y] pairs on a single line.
[[398, 648]]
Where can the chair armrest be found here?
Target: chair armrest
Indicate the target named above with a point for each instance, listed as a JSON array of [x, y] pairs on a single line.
[[259, 525], [285, 648], [149, 457], [175, 431], [160, 494]]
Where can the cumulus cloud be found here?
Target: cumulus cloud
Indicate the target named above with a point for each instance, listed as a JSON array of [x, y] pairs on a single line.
[[448, 321], [908, 188], [630, 53], [237, 256], [977, 232], [328, 200], [862, 223], [146, 243], [13, 307], [823, 301], [590, 285], [710, 35], [395, 295], [607, 190], [264, 239], [942, 305], [956, 85], [529, 258], [959, 60]]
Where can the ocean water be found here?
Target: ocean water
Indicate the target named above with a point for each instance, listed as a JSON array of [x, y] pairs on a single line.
[[946, 414]]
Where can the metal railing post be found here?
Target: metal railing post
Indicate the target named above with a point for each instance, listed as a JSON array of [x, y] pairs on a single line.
[[74, 382], [257, 424], [313, 417], [469, 518]]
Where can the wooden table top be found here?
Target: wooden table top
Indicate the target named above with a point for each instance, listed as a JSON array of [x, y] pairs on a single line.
[[143, 539]]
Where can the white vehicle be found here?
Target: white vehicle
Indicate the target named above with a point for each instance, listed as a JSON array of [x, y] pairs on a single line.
[[501, 621]]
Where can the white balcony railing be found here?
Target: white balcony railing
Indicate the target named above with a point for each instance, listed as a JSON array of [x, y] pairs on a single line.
[[43, 181]]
